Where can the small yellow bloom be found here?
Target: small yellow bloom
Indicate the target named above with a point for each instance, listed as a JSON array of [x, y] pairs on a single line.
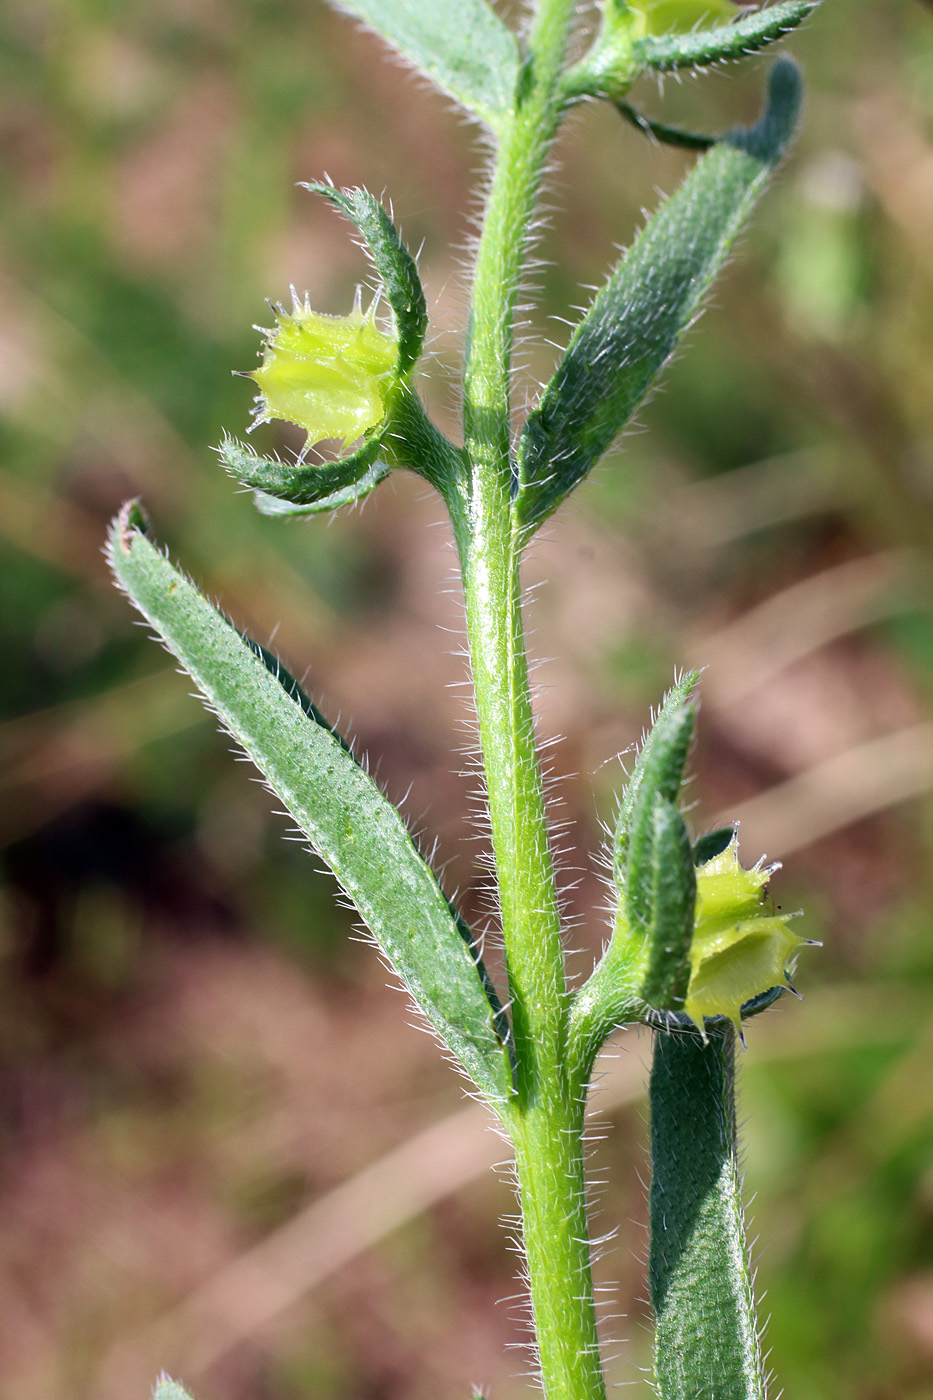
[[741, 946], [330, 375]]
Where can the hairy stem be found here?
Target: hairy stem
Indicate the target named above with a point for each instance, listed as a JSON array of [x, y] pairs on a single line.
[[525, 144], [545, 1119]]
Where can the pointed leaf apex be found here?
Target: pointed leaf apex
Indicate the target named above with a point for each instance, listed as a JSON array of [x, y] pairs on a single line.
[[767, 140], [167, 1389]]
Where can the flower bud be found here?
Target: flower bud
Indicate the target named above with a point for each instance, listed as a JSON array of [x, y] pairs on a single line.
[[331, 375], [741, 945]]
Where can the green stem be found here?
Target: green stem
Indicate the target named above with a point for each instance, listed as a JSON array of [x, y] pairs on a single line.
[[706, 1344], [526, 141], [546, 1119]]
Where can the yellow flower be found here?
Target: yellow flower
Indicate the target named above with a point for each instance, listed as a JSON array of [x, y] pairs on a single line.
[[741, 946], [330, 375]]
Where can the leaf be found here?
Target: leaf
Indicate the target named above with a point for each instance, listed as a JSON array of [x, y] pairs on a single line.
[[636, 320], [616, 991], [661, 777], [673, 903], [392, 261], [462, 45], [655, 759], [701, 1284], [355, 831], [343, 496], [698, 48], [304, 487]]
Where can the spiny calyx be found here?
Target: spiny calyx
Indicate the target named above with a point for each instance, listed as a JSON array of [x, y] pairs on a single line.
[[742, 946], [330, 375], [343, 378]]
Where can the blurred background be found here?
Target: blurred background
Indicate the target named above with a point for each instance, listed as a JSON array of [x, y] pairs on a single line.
[[224, 1149]]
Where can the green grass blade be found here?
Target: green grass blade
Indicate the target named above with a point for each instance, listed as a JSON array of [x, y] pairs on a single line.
[[356, 832], [462, 45], [699, 48], [637, 319], [706, 1341]]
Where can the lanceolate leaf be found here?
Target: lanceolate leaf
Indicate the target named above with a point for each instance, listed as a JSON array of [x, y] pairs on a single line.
[[356, 832], [342, 496], [673, 901], [699, 48], [462, 45], [304, 487], [393, 262], [658, 768], [648, 955], [706, 1341], [661, 778], [636, 320]]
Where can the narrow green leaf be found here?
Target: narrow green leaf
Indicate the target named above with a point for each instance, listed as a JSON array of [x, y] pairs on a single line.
[[166, 1389], [700, 47], [392, 261], [636, 320], [706, 1339], [661, 777], [344, 496], [305, 486], [655, 758], [462, 45], [615, 993], [356, 832], [673, 908]]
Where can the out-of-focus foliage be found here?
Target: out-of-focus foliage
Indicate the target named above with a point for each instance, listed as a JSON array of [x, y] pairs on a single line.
[[193, 1049]]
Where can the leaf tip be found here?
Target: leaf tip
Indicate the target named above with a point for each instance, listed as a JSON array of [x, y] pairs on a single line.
[[130, 520], [769, 137], [167, 1389]]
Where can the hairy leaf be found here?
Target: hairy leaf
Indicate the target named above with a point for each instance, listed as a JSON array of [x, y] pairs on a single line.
[[659, 766], [706, 1340], [636, 320], [304, 487], [673, 902], [356, 832], [343, 496], [462, 45], [699, 48], [392, 261], [661, 777]]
